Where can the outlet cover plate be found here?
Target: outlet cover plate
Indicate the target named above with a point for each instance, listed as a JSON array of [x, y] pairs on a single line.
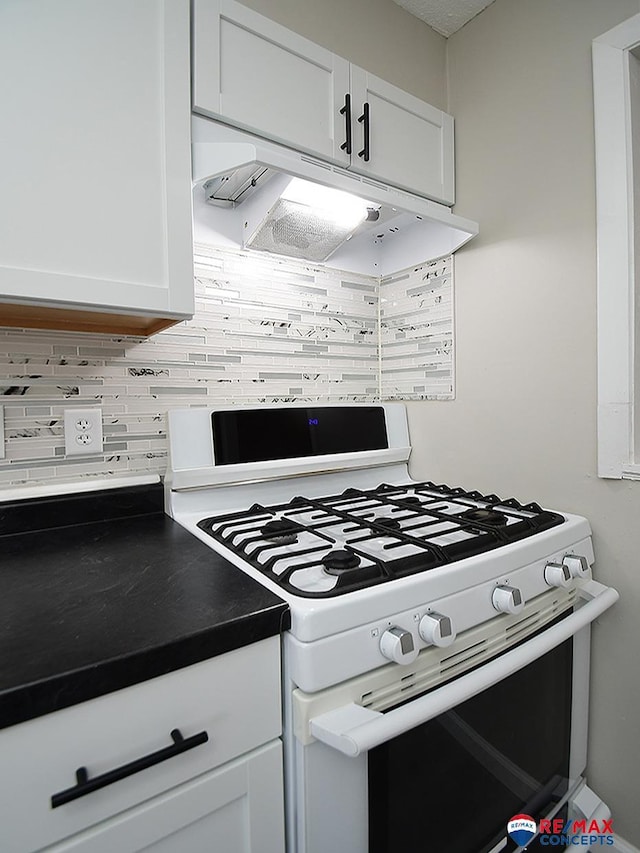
[[82, 432]]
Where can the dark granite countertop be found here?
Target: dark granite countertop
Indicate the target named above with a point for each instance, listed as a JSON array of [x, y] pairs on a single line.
[[102, 590]]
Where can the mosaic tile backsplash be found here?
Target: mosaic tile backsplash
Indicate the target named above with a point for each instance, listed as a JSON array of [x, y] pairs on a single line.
[[266, 330], [416, 333]]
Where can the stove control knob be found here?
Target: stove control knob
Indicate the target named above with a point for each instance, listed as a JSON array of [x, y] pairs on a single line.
[[507, 599], [577, 565], [557, 574], [436, 630], [397, 645]]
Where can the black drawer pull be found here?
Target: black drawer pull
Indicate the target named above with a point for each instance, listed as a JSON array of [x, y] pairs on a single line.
[[365, 118], [346, 112], [86, 786]]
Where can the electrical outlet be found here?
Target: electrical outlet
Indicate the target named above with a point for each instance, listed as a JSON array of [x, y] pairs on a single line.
[[82, 431]]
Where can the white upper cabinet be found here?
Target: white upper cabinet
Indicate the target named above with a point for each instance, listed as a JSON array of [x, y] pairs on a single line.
[[258, 75], [401, 139], [95, 178]]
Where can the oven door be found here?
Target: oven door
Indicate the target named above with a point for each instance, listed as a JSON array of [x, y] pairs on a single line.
[[445, 771]]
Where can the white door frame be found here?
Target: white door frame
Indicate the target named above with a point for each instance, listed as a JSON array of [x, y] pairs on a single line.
[[616, 249]]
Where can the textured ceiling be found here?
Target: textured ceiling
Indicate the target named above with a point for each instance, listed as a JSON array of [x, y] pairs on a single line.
[[444, 16]]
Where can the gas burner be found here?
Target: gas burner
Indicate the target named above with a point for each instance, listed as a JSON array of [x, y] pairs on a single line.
[[339, 561], [418, 528], [485, 516], [282, 531], [387, 523]]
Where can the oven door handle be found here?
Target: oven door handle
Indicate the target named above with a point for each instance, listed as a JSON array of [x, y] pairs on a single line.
[[353, 729]]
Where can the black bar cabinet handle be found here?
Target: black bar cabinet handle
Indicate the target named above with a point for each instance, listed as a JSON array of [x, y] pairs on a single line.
[[346, 112], [85, 785], [365, 118]]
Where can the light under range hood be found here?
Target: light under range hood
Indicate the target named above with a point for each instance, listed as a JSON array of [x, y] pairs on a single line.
[[240, 200]]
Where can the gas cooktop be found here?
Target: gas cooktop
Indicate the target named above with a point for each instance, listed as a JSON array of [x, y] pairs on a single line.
[[317, 503], [327, 546]]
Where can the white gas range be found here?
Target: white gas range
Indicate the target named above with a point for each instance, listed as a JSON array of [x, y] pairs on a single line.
[[398, 591]]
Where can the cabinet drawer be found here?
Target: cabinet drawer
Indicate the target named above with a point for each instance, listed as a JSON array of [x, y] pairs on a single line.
[[234, 698], [237, 808]]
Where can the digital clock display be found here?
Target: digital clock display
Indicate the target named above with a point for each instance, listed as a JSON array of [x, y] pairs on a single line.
[[257, 435]]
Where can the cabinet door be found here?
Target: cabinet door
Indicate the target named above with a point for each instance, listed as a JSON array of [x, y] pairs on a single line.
[[410, 142], [236, 809], [95, 183], [257, 75]]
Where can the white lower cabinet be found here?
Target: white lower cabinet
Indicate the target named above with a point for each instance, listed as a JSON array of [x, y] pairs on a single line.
[[236, 809], [112, 774]]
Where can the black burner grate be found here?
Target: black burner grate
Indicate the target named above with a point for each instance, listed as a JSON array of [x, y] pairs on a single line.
[[373, 536]]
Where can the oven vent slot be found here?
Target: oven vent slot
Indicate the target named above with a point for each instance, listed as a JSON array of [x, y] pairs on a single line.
[[524, 627], [435, 666], [532, 621], [451, 660], [408, 681], [390, 686], [402, 688], [431, 672], [467, 659]]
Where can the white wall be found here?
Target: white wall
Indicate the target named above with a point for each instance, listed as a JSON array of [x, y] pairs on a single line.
[[524, 421]]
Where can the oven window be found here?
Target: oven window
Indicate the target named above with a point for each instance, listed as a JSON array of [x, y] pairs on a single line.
[[451, 785]]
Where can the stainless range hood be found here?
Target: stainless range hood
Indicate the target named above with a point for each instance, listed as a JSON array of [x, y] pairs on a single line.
[[243, 199]]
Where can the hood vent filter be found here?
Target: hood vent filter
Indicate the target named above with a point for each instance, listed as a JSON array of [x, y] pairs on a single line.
[[310, 221], [296, 230]]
